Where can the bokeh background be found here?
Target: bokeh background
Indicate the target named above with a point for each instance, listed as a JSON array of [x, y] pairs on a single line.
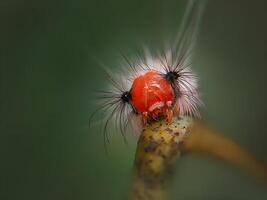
[[48, 71]]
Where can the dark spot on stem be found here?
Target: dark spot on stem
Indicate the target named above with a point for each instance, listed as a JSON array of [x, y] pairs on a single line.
[[151, 147], [169, 130]]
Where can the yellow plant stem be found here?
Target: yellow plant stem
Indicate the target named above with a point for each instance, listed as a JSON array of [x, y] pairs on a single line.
[[156, 154], [160, 145], [206, 140]]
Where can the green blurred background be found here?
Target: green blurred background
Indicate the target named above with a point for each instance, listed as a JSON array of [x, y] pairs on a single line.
[[48, 72]]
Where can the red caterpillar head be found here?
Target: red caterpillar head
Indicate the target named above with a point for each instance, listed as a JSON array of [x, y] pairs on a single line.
[[156, 94], [152, 96], [160, 86]]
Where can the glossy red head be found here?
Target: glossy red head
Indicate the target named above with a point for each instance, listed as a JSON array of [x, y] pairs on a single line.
[[152, 95], [165, 84]]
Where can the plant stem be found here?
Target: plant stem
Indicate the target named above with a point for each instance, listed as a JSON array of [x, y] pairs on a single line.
[[206, 140], [160, 145], [156, 154]]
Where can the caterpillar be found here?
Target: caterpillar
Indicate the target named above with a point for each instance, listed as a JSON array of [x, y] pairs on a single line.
[[155, 86]]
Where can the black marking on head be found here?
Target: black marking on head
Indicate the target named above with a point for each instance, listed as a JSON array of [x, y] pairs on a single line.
[[172, 76], [126, 97], [134, 110]]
